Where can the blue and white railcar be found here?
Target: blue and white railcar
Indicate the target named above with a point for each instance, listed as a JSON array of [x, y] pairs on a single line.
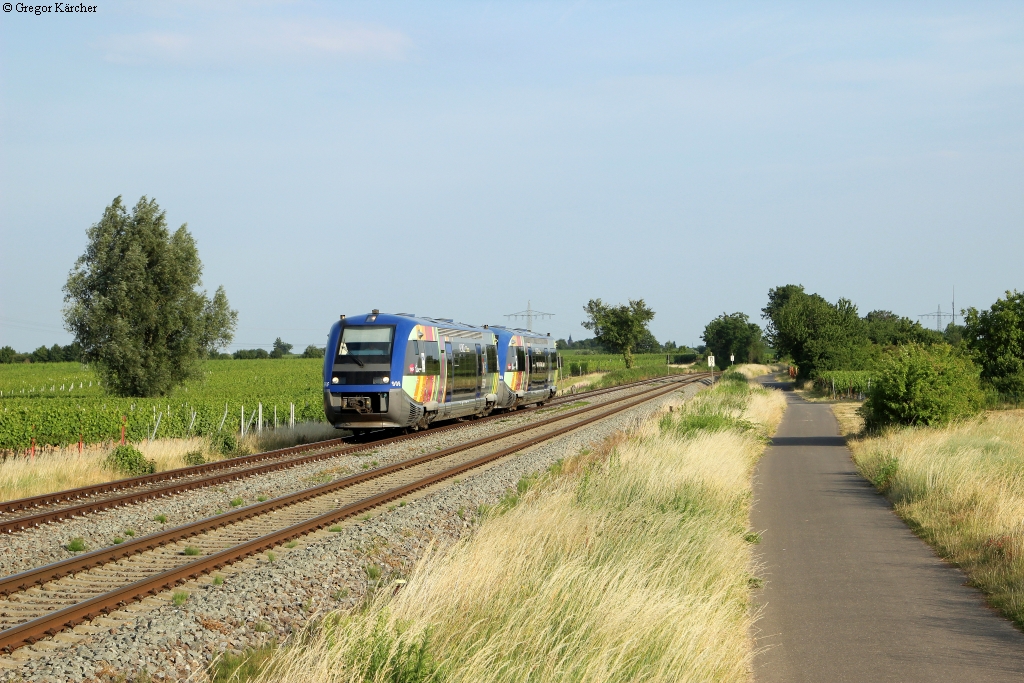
[[529, 367], [386, 371]]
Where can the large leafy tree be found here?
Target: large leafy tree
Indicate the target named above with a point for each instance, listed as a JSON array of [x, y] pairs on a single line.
[[733, 335], [621, 327], [885, 328], [996, 337], [132, 302], [816, 334]]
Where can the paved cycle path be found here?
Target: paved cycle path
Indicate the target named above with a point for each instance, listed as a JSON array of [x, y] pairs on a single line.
[[851, 594]]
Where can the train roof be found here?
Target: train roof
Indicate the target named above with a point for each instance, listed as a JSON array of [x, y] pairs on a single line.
[[445, 323]]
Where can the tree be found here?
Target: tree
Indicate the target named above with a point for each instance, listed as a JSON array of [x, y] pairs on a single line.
[[815, 333], [619, 327], [885, 328], [314, 351], [250, 354], [996, 338], [8, 355], [777, 298], [280, 349], [734, 335], [133, 305]]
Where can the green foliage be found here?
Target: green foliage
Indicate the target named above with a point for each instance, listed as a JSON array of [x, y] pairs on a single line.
[[885, 472], [33, 403], [76, 545], [179, 597], [734, 335], [815, 333], [885, 328], [236, 502], [280, 349], [251, 354], [160, 518], [192, 551], [193, 458], [129, 461], [996, 338], [844, 381], [313, 351], [133, 306], [918, 385], [243, 667], [8, 355], [619, 327]]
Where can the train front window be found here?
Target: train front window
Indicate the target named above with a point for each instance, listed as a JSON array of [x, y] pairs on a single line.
[[364, 345], [422, 358]]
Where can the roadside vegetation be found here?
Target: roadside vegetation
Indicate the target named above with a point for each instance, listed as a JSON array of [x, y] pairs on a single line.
[[960, 487], [628, 563], [64, 468]]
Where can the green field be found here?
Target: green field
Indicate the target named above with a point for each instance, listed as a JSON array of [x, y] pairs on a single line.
[[57, 403], [583, 363]]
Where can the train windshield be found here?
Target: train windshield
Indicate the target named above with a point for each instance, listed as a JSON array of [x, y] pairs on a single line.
[[365, 345]]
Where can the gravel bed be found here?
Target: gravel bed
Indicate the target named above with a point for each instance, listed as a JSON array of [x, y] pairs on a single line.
[[262, 599], [47, 543]]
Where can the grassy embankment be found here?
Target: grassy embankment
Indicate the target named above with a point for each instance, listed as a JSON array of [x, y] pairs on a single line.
[[961, 489], [628, 563], [66, 468]]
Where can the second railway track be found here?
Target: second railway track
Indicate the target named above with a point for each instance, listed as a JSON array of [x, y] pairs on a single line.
[[48, 599]]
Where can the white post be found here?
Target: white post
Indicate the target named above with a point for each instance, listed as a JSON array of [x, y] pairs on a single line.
[[259, 420], [291, 419], [243, 420], [275, 417]]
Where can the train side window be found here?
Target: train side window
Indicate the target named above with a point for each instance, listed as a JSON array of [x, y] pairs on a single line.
[[492, 358], [422, 358], [521, 357]]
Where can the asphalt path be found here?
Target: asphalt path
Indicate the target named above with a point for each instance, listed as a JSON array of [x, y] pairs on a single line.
[[850, 593]]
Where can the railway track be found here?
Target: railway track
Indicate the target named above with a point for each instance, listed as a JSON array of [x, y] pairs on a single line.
[[61, 505], [49, 599]]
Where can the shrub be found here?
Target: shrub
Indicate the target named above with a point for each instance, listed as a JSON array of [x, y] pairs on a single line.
[[223, 443], [193, 458], [918, 385], [129, 461]]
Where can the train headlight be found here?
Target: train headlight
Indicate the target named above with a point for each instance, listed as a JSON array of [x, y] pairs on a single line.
[[385, 379], [334, 380]]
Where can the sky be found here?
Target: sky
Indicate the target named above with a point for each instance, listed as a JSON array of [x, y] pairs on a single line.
[[462, 159]]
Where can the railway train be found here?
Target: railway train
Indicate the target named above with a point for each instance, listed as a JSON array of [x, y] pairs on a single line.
[[401, 371]]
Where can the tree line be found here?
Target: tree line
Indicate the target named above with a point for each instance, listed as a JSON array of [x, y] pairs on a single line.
[[920, 376]]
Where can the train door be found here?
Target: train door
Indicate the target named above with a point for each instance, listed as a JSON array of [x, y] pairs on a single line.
[[449, 372]]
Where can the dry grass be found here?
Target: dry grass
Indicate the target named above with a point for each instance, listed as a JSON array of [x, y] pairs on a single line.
[[961, 488], [851, 422], [626, 564], [579, 381], [66, 468], [752, 370]]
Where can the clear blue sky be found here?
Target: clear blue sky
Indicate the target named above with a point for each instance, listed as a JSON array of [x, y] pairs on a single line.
[[460, 159]]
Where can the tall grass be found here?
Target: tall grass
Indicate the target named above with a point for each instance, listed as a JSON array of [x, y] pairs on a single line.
[[625, 564], [56, 469], [961, 488]]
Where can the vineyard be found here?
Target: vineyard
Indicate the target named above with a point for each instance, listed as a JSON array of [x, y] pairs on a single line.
[[57, 404], [581, 364], [843, 383]]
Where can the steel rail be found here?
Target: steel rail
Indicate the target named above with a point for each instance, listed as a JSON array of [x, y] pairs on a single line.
[[48, 625], [49, 572], [236, 472]]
